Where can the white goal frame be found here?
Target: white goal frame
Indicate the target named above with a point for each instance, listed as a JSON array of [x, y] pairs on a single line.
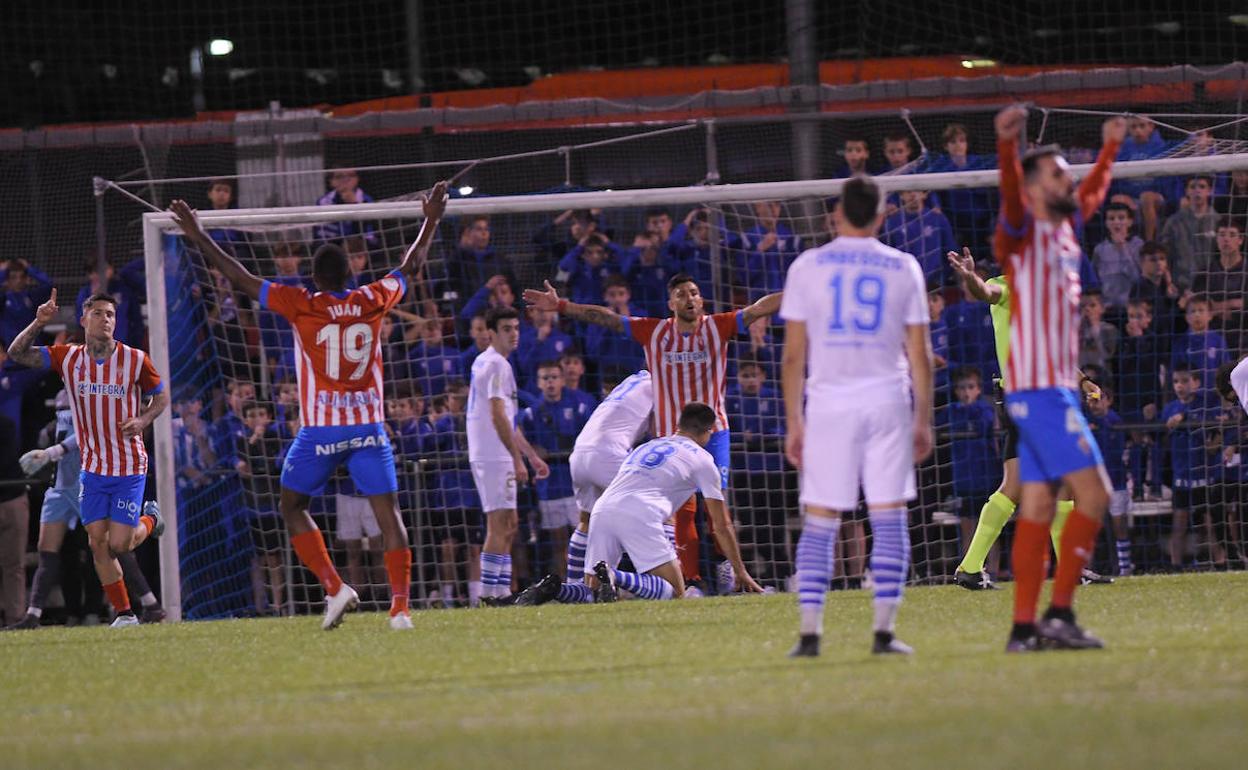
[[156, 224]]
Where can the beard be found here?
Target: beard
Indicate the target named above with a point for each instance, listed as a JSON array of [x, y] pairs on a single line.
[[1064, 206]]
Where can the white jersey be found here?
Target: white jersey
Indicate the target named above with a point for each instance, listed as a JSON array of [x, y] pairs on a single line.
[[492, 377], [620, 420], [856, 297], [659, 476], [1239, 381]]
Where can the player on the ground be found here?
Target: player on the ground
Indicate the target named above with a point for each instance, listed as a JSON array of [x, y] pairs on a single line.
[[497, 451], [615, 427], [1035, 243], [60, 514], [655, 478], [114, 394], [857, 378], [339, 374], [1000, 506], [687, 356]]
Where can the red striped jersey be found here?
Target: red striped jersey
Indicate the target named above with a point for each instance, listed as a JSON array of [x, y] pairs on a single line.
[[1041, 261], [337, 348], [103, 394], [686, 367]]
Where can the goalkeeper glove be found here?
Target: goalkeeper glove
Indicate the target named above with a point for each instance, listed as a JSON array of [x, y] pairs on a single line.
[[35, 459]]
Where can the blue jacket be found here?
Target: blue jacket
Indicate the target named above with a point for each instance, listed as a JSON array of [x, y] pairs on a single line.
[[1113, 444], [940, 347], [976, 464], [752, 420], [971, 341], [614, 350], [432, 366], [1191, 464], [648, 282], [554, 425], [275, 331], [762, 272], [682, 255], [531, 352], [450, 485], [926, 235], [585, 282], [1204, 352], [17, 308]]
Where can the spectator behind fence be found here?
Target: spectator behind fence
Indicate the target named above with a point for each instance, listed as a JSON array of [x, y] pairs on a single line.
[[922, 232], [1098, 340], [589, 263], [433, 362], [759, 346], [1117, 258], [971, 341], [15, 381], [1189, 421], [257, 455], [559, 236], [1235, 202], [573, 365], [763, 253], [647, 275], [276, 334], [475, 260], [1225, 282], [344, 188], [192, 444], [1138, 365], [127, 291], [688, 250], [1190, 232], [856, 155], [1104, 422], [226, 431], [496, 292], [454, 506], [976, 463], [24, 288], [14, 527], [221, 198], [1157, 289], [970, 211], [939, 334], [1143, 143], [1200, 349], [540, 340], [610, 349]]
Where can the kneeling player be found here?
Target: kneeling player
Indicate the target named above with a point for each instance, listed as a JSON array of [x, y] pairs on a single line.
[[654, 480]]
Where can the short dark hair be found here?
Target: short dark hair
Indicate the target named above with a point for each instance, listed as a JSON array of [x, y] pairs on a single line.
[[439, 401], [1222, 382], [220, 181], [952, 131], [99, 296], [19, 264], [1094, 292], [1144, 302], [748, 362], [897, 137], [1032, 158], [1182, 367], [249, 405], [1231, 223], [657, 211], [1120, 207], [472, 220], [330, 266], [1198, 178], [496, 314], [860, 201], [856, 137], [614, 280], [595, 239], [456, 383], [967, 373], [1154, 247], [677, 280], [1200, 299], [549, 363], [696, 418], [572, 352]]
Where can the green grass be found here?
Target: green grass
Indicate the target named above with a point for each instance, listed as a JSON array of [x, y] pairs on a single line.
[[645, 684]]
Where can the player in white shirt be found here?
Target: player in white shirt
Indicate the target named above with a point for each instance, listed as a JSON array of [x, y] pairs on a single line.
[[857, 377], [496, 450], [1231, 382], [655, 479], [615, 427]]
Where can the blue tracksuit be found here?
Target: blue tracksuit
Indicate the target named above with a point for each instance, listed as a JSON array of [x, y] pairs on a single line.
[[553, 426]]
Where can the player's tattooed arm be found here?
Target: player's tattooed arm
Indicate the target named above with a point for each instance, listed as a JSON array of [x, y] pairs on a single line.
[[434, 205], [765, 307], [964, 265], [238, 276], [594, 314], [21, 350]]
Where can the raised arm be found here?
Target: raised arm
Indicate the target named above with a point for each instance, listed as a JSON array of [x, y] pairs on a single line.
[[594, 314], [1095, 185], [1010, 123], [233, 270], [919, 354], [21, 350], [964, 266], [434, 205], [764, 307]]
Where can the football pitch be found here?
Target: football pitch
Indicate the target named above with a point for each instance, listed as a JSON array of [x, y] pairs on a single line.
[[645, 684]]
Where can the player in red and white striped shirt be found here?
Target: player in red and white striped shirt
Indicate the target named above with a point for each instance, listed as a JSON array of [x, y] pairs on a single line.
[[339, 373], [1036, 244], [114, 394], [687, 355]]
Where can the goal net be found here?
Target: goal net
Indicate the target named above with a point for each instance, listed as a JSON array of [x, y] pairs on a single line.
[[230, 363]]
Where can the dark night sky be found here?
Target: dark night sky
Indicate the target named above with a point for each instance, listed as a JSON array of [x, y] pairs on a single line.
[[130, 59]]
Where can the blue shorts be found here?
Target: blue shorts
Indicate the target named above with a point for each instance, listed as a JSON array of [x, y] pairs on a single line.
[[119, 498], [718, 447], [318, 451], [61, 506], [1054, 440]]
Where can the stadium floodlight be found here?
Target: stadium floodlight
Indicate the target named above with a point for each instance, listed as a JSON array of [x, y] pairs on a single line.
[[220, 46], [973, 64]]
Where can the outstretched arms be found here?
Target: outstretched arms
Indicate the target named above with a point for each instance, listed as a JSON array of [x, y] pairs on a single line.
[[1095, 185], [231, 268], [594, 314], [764, 307], [434, 204], [20, 349], [964, 266], [1010, 123]]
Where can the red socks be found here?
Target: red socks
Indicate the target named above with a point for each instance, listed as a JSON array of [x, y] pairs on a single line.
[[310, 546], [151, 525], [1078, 543], [117, 596], [1031, 550], [399, 570], [687, 539]]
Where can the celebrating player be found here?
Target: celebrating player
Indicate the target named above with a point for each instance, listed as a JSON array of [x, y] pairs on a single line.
[[856, 313], [655, 478], [1000, 505], [613, 430], [339, 374], [60, 513], [687, 356], [1035, 242], [497, 450], [108, 382]]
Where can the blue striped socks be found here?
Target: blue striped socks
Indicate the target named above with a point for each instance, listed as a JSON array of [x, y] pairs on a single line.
[[576, 555], [495, 574], [669, 530], [815, 550], [890, 563], [643, 586], [1125, 567], [574, 593]]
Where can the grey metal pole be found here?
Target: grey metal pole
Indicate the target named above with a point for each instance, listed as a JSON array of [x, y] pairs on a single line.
[[415, 68], [99, 186], [804, 78], [712, 153]]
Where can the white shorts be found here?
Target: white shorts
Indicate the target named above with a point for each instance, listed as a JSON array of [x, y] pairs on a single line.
[[1119, 502], [592, 473], [869, 447], [614, 533], [496, 484], [559, 513], [355, 518]]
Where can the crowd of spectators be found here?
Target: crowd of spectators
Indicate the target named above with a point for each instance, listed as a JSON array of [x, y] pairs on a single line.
[[1164, 279]]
